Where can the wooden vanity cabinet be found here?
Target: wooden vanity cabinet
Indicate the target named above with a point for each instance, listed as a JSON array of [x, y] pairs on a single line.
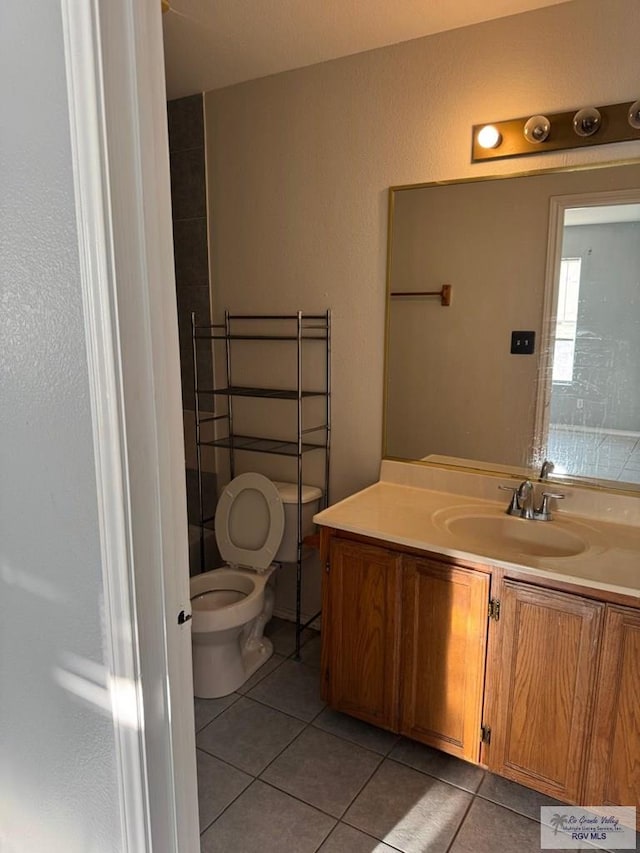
[[613, 773], [444, 634], [558, 685], [545, 676], [360, 654], [404, 643]]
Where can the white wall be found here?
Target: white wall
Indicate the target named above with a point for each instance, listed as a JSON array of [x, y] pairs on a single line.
[[58, 785], [97, 745], [299, 165]]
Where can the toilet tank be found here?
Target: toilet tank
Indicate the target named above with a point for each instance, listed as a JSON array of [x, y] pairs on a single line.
[[288, 550]]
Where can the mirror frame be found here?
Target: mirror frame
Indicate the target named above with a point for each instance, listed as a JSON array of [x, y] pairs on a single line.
[[491, 469]]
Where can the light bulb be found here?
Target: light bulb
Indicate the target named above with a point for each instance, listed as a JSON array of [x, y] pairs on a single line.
[[537, 129], [586, 122], [489, 137], [634, 115]]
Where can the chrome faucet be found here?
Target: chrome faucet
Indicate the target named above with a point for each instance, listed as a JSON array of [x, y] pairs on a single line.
[[525, 499], [522, 502], [547, 468]]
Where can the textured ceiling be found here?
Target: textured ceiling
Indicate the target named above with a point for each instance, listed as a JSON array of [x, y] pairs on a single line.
[[214, 43]]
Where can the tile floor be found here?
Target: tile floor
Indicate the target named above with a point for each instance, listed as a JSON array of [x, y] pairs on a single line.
[[279, 772], [596, 453]]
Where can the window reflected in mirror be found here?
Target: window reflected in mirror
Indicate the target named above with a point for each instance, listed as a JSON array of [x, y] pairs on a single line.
[[564, 350]]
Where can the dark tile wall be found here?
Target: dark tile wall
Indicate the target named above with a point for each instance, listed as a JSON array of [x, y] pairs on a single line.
[[190, 235], [189, 205]]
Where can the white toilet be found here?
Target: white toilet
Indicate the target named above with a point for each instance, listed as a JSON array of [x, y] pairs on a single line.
[[255, 523]]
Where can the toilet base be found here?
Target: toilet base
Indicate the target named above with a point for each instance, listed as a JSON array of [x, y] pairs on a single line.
[[224, 660], [256, 657], [220, 669]]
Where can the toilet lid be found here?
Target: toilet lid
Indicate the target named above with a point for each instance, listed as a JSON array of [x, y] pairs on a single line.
[[249, 522]]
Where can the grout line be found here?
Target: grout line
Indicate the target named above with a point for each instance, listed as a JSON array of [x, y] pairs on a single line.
[[217, 818], [512, 808], [225, 761], [265, 675], [246, 788], [219, 714], [437, 778], [461, 824], [363, 786], [258, 778], [299, 800], [327, 836], [276, 757], [288, 793], [347, 739], [369, 835], [265, 704], [311, 722]]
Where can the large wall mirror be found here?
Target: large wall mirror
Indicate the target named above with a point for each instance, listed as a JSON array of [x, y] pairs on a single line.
[[553, 253]]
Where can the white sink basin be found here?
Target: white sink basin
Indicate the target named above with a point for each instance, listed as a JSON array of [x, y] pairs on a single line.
[[539, 539], [494, 532]]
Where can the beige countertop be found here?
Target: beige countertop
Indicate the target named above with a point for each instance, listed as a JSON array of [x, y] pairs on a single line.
[[608, 557]]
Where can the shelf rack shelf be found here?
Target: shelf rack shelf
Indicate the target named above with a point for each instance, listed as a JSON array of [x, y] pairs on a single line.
[[304, 330]]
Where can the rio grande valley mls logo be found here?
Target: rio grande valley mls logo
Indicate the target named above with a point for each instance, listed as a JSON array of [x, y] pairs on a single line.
[[576, 828]]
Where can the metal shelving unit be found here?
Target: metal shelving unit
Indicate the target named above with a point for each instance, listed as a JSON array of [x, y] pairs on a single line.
[[304, 331]]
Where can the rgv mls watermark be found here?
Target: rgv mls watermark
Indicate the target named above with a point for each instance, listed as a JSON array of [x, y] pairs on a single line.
[[588, 827]]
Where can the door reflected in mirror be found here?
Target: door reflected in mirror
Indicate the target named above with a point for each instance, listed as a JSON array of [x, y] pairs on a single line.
[[556, 253], [594, 400]]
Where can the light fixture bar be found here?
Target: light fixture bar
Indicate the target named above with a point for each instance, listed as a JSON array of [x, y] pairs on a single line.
[[614, 126]]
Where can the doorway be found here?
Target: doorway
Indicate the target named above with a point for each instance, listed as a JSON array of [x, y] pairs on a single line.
[[589, 402]]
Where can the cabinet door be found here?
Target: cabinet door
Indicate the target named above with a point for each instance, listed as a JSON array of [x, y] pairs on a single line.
[[613, 775], [444, 637], [546, 674], [361, 605]]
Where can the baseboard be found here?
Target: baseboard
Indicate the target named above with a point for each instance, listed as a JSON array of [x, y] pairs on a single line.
[[290, 616], [594, 430]]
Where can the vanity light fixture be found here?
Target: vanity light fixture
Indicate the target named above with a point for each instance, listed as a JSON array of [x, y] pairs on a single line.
[[634, 115], [534, 134], [489, 136]]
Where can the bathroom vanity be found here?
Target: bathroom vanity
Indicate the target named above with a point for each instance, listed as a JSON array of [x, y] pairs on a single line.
[[507, 642]]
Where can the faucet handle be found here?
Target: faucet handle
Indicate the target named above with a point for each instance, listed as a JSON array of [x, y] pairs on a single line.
[[544, 513], [514, 504]]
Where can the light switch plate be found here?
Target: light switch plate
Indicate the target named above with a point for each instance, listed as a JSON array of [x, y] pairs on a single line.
[[523, 343]]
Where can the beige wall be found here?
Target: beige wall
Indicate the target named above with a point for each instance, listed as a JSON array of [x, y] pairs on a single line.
[[300, 163]]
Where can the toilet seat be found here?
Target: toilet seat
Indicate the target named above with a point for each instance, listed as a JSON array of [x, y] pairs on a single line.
[[249, 522]]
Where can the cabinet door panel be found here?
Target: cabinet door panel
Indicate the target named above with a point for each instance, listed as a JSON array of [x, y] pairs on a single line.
[[443, 652], [613, 776], [549, 644], [363, 603]]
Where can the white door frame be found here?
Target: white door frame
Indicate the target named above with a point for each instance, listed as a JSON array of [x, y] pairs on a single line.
[[557, 207], [117, 109]]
